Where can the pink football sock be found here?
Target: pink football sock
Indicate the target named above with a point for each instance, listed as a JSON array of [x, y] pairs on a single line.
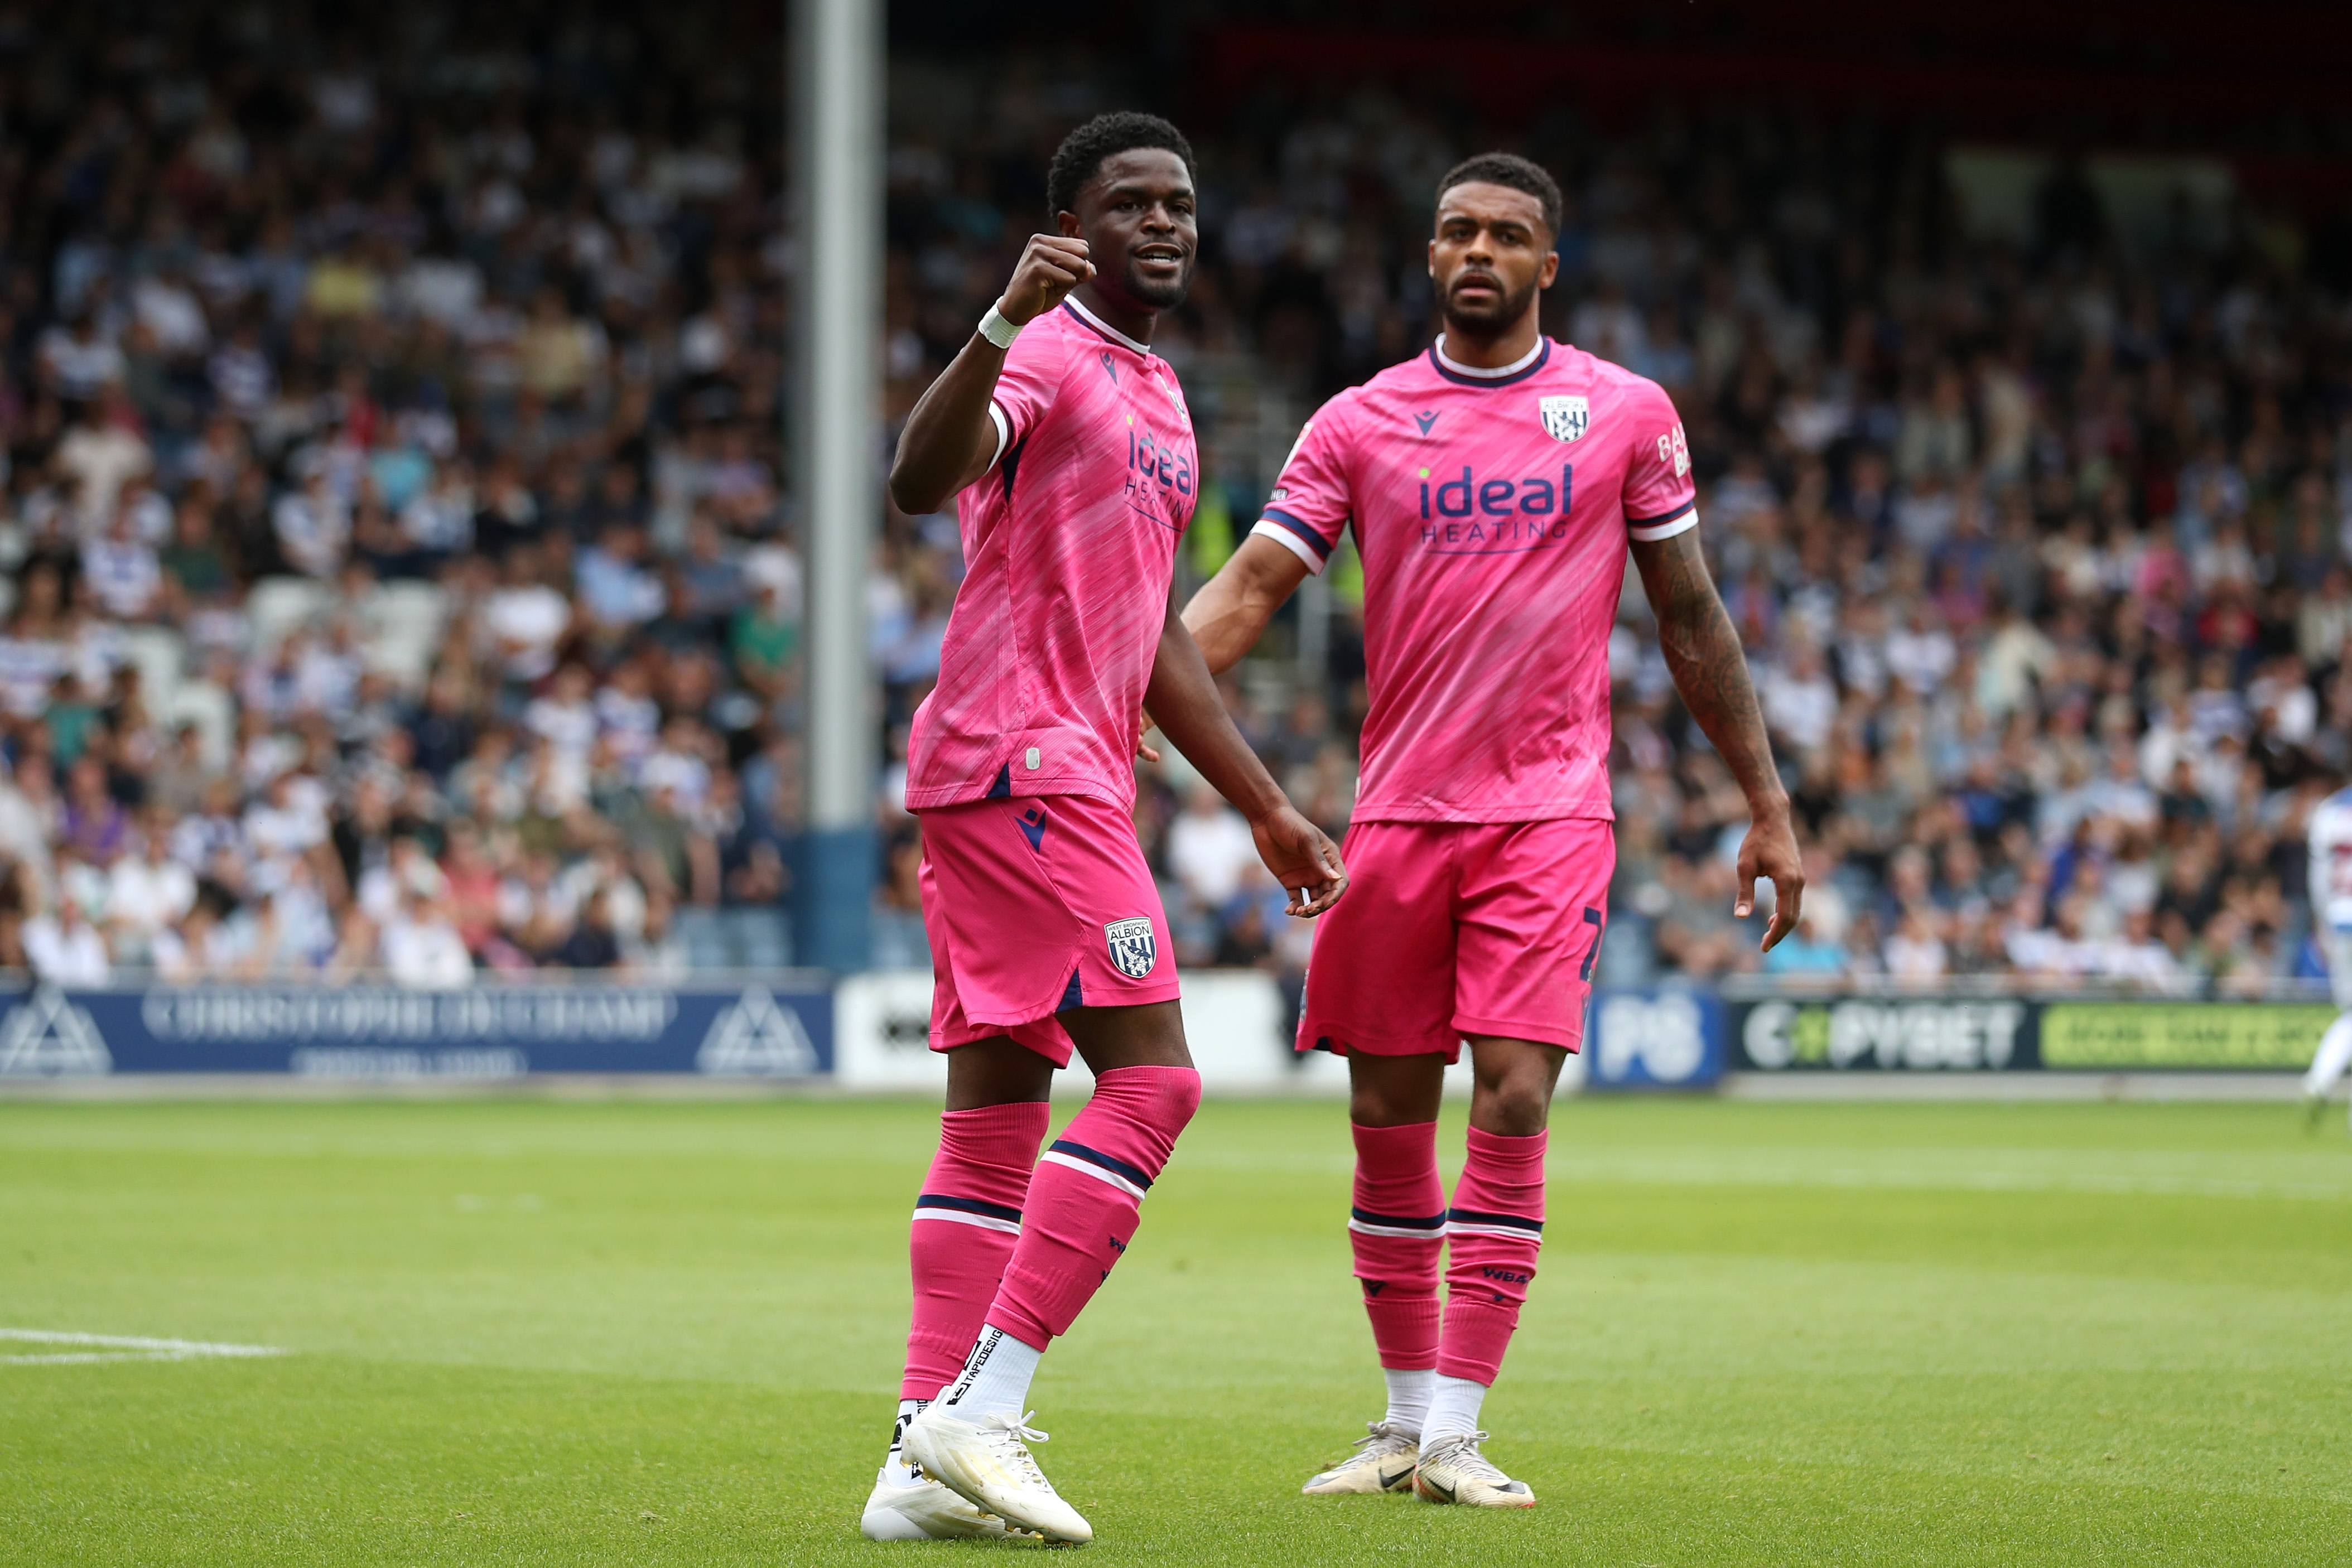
[[1083, 1200], [972, 1201], [1396, 1227], [1491, 1235]]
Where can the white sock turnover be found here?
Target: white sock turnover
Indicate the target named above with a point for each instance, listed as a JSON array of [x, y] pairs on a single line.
[[1453, 1409], [1409, 1397], [995, 1377], [895, 1469]]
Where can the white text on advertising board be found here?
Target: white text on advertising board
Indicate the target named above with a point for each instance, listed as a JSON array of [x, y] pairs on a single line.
[[1963, 1036]]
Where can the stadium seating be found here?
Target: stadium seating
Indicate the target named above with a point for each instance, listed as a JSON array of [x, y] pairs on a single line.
[[419, 446]]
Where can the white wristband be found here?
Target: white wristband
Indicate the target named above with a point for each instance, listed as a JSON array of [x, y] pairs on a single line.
[[997, 330]]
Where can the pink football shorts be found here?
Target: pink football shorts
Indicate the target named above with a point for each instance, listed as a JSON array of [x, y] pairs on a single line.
[[1033, 905], [1451, 929]]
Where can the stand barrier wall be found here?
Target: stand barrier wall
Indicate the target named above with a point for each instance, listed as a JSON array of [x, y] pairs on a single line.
[[869, 1033]]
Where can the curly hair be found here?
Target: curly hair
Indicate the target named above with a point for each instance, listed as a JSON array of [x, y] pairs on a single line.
[[1511, 170], [1080, 156]]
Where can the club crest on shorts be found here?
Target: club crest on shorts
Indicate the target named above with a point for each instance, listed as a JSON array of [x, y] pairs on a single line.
[[1564, 418], [1134, 947]]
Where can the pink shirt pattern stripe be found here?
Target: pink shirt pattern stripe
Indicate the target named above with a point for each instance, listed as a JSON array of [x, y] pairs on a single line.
[[1069, 544], [1492, 510]]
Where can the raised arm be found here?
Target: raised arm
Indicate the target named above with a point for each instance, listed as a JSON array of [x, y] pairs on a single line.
[[949, 440], [1229, 614], [1183, 698], [1703, 653]]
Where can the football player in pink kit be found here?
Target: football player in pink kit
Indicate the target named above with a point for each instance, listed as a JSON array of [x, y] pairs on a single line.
[[1494, 483], [1070, 443]]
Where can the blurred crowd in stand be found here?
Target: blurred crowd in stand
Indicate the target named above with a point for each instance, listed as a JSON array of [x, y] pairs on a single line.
[[396, 578], [2036, 532]]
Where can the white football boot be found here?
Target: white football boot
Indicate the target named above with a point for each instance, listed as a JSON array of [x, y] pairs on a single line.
[[1452, 1469], [922, 1510], [1383, 1462], [987, 1463]]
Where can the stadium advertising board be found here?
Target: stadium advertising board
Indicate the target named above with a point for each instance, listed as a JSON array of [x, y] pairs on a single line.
[[1653, 1039], [1234, 1025], [2248, 1036], [870, 1033], [1851, 1034], [381, 1033], [2000, 1034]]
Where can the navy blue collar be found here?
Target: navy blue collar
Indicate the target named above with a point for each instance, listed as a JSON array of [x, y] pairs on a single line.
[[1543, 358], [1105, 330]]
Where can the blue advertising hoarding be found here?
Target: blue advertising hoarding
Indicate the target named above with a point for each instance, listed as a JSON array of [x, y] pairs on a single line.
[[735, 1030], [784, 1027], [1665, 1038]]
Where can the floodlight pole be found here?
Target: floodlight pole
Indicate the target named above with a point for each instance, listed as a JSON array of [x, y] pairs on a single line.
[[837, 93]]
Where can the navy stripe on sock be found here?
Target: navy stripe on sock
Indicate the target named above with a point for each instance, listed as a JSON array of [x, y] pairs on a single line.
[[969, 1205], [1434, 1223], [1097, 1157], [1472, 1216]]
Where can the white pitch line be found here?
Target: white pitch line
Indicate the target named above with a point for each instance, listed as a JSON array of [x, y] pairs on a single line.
[[121, 1347]]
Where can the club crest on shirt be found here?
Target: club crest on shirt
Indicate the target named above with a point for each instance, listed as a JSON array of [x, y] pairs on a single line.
[[1564, 418], [1134, 948]]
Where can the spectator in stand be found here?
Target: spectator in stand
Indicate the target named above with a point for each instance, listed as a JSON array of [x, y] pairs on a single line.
[[95, 826], [122, 570], [422, 948], [592, 943], [103, 453], [148, 893], [525, 621], [313, 527], [66, 950], [1209, 848], [1806, 954]]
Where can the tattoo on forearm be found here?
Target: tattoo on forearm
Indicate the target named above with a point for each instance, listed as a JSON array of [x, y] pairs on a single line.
[[1703, 653]]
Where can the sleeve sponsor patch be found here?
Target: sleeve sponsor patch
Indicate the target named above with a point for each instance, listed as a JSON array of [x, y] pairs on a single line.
[[1675, 452]]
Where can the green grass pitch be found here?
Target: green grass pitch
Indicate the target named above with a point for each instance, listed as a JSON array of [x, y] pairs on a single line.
[[527, 1332]]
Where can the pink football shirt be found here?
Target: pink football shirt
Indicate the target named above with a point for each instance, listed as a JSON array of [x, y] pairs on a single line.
[[1069, 545], [1492, 509]]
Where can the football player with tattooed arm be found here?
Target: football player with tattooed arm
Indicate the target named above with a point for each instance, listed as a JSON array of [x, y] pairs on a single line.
[[1069, 442], [1494, 483]]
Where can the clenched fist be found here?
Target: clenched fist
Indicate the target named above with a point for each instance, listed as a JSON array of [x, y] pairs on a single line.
[[1050, 267]]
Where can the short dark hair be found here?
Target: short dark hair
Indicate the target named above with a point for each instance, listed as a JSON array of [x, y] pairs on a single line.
[[1507, 169], [1080, 156]]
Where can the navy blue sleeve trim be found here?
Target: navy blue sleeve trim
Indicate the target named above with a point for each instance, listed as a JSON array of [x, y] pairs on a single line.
[[1682, 510], [1315, 542]]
